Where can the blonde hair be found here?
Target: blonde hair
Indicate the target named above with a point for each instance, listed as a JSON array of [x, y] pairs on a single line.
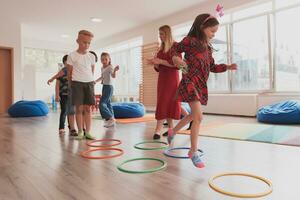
[[85, 32], [166, 45]]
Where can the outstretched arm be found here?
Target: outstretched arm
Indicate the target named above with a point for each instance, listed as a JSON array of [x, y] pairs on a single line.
[[57, 98], [57, 75], [98, 79], [115, 70], [158, 61], [218, 68]]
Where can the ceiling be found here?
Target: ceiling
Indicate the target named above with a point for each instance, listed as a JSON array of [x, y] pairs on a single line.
[[49, 19]]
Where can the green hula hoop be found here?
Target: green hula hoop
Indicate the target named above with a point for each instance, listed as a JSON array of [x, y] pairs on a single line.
[[161, 167], [151, 148]]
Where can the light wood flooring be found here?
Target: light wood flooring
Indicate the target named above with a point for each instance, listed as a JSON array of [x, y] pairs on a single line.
[[37, 163]]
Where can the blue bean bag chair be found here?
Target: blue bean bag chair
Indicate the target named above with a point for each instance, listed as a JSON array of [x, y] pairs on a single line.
[[285, 112], [28, 109], [128, 110]]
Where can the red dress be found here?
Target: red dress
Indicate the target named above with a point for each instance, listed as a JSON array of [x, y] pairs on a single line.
[[199, 60], [168, 80]]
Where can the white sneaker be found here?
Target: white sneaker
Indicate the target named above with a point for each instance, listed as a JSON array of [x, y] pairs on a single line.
[[110, 123], [105, 123]]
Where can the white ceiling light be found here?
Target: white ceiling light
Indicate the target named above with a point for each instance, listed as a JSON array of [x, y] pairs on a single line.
[[94, 19], [64, 36]]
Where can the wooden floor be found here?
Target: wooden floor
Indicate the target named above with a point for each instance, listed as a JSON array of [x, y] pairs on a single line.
[[35, 163]]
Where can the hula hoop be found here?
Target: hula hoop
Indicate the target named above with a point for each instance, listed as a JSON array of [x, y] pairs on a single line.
[[162, 166], [84, 154], [151, 148], [167, 152], [91, 143], [216, 188]]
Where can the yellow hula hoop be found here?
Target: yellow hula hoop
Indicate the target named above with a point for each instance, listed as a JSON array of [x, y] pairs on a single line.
[[220, 190]]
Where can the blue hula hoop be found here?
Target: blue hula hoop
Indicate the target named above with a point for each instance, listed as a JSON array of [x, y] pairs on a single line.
[[168, 153]]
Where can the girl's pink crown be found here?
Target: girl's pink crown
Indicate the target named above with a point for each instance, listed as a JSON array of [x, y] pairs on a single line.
[[219, 13]]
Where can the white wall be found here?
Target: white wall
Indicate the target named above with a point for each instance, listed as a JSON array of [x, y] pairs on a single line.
[[150, 31], [10, 36]]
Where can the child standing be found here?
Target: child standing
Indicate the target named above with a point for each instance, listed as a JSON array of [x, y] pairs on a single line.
[[107, 71], [81, 65], [193, 86], [63, 95]]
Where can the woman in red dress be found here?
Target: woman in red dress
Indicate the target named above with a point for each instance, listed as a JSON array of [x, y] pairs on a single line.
[[167, 107]]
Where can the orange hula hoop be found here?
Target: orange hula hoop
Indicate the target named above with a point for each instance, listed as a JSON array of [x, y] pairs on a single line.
[[91, 143], [84, 154]]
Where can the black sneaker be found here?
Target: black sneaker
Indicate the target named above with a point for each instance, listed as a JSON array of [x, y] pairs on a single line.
[[156, 136], [73, 132], [165, 134], [190, 126]]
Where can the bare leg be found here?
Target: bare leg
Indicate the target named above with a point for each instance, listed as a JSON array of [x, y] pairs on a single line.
[[197, 118], [184, 121], [79, 111], [159, 125], [87, 118], [170, 123], [71, 121]]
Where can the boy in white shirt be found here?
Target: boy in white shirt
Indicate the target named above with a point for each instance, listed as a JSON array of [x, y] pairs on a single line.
[[81, 64]]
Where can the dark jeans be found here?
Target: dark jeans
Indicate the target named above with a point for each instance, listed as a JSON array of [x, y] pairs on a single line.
[[63, 111], [105, 107]]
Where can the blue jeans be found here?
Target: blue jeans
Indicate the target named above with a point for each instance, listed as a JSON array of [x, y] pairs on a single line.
[[105, 107]]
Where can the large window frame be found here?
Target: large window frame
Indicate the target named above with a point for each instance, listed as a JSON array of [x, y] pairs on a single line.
[[271, 42]]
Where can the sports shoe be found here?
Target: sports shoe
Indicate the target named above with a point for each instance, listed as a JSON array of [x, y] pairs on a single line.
[[61, 131], [156, 136], [73, 132], [88, 136], [165, 134], [80, 135], [110, 123], [196, 159]]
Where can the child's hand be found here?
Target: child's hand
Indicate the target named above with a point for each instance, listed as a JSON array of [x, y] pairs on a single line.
[[57, 98], [49, 81], [150, 61], [233, 66], [156, 61], [117, 68], [178, 62]]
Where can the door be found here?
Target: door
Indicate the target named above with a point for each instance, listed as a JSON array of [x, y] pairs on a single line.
[[6, 78]]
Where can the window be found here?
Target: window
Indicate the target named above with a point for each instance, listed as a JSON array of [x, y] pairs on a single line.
[[250, 52], [287, 50], [218, 82], [40, 65], [285, 3], [253, 10], [128, 56]]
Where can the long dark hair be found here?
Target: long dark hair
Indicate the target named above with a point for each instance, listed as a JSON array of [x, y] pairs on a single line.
[[201, 22]]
